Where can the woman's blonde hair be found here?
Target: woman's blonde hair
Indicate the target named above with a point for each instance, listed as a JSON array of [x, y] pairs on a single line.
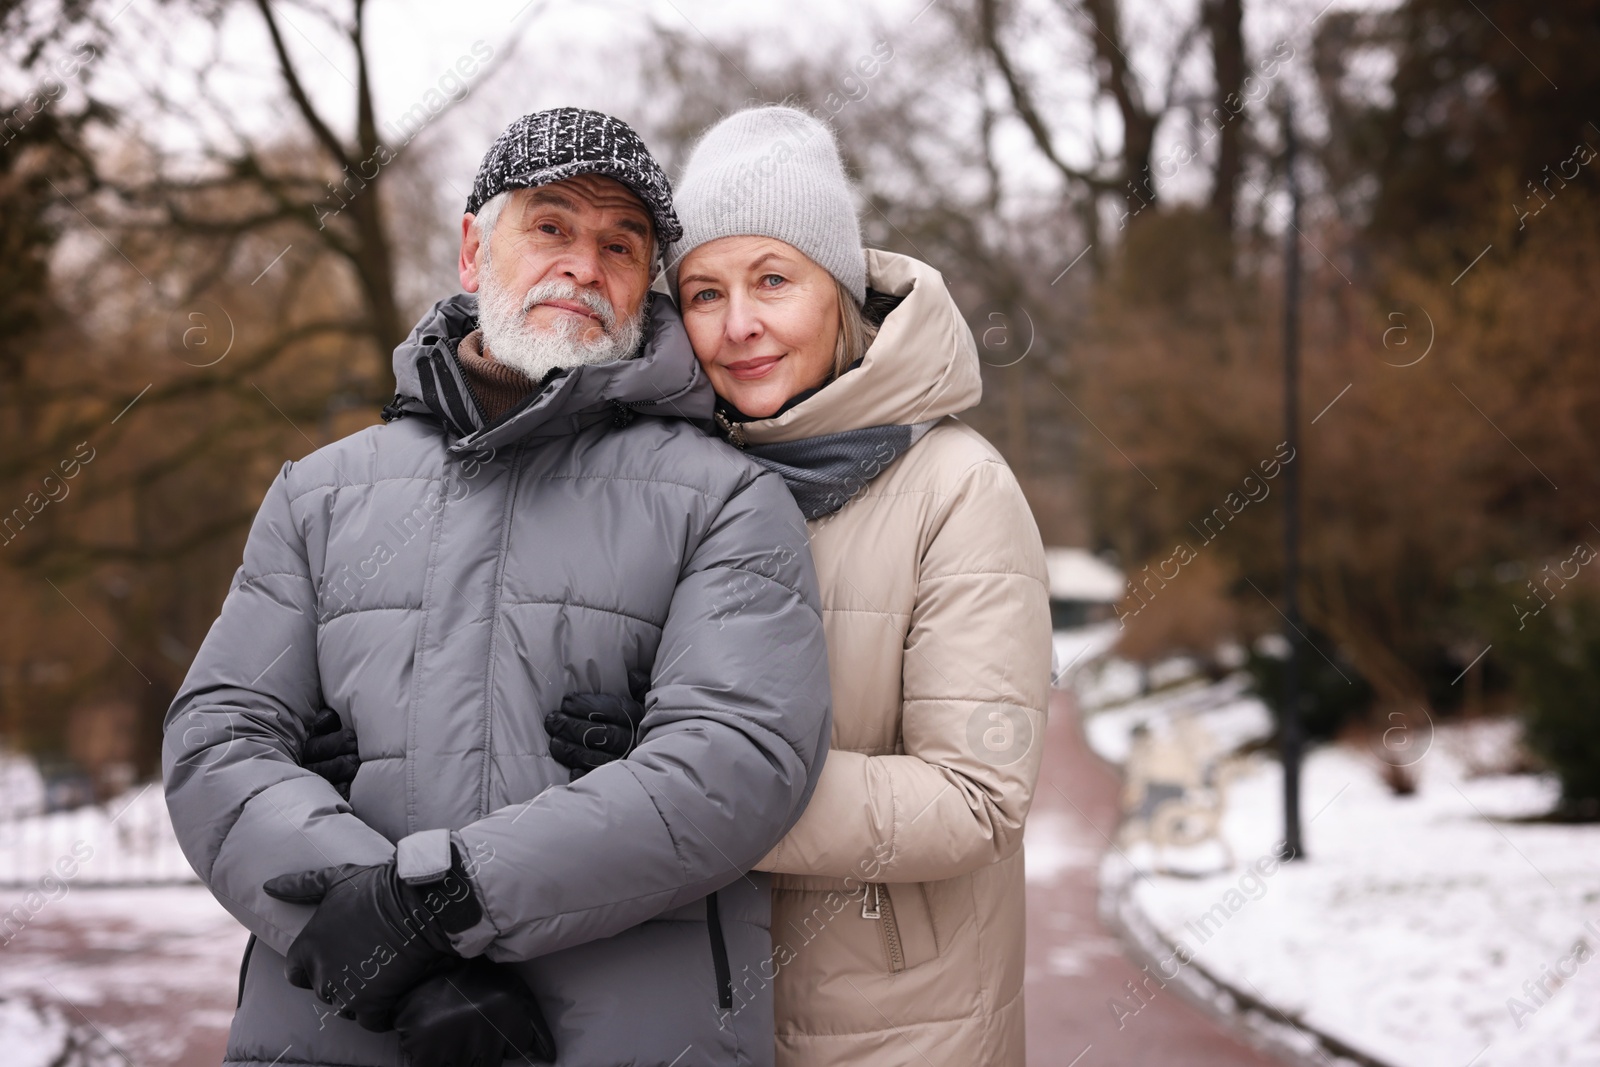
[[855, 332]]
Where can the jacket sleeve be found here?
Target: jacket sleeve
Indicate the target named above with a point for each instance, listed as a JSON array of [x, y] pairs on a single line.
[[975, 685], [736, 727], [243, 808]]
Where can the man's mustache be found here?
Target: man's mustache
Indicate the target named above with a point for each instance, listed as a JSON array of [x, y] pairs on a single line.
[[558, 290]]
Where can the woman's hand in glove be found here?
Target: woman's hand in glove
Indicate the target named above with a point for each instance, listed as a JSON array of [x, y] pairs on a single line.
[[331, 751], [590, 730]]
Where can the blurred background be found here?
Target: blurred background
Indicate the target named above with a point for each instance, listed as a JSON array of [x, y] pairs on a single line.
[[218, 217]]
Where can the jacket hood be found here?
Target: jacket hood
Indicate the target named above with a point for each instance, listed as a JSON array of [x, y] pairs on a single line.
[[923, 364], [663, 379]]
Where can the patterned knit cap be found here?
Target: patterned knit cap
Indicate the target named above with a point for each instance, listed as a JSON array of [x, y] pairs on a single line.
[[551, 146]]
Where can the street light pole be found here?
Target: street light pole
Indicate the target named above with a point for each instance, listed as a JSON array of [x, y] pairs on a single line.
[[1290, 726]]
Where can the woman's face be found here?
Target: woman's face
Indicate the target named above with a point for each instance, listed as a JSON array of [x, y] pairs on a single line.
[[762, 317]]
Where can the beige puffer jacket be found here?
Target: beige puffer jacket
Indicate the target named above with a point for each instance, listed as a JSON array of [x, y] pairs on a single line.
[[897, 918]]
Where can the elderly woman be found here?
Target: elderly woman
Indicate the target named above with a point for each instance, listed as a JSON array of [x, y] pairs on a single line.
[[898, 896]]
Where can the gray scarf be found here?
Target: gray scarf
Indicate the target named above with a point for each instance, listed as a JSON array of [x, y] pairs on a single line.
[[825, 473]]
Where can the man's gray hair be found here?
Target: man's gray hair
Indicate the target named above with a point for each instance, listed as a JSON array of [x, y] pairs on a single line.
[[486, 218]]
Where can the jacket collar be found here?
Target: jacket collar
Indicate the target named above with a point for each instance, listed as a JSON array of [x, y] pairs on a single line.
[[663, 379]]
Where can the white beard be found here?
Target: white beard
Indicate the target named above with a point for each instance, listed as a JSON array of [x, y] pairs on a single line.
[[536, 351]]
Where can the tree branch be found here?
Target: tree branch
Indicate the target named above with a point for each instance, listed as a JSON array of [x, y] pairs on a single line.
[[291, 79], [1022, 100]]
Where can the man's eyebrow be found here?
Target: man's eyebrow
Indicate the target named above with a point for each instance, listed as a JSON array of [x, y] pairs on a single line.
[[635, 226], [555, 199], [550, 196]]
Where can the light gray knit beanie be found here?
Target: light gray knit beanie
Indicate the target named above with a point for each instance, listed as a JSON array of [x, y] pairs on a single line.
[[771, 172]]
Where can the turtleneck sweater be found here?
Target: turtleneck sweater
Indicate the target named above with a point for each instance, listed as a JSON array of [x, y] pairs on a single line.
[[496, 387]]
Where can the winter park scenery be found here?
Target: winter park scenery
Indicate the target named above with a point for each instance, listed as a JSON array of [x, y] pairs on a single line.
[[1283, 317]]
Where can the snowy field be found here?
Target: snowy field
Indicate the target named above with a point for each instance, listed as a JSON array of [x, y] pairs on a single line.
[[97, 965], [1435, 930], [126, 841], [120, 976]]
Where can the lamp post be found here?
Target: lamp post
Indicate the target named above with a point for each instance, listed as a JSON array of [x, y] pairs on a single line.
[[1290, 724]]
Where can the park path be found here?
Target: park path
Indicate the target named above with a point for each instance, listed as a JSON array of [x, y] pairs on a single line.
[[152, 972], [144, 977], [1075, 966]]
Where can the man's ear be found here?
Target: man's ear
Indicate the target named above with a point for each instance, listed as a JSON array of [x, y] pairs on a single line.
[[471, 253]]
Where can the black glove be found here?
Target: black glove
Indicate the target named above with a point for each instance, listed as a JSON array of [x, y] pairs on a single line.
[[373, 937], [590, 730], [476, 1016], [331, 751]]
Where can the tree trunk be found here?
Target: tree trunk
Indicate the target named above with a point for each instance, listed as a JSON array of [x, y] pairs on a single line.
[[1118, 78], [1224, 21]]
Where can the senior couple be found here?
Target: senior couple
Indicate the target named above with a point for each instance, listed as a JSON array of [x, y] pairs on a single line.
[[661, 683]]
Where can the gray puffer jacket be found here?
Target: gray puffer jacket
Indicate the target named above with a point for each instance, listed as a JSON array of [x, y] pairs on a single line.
[[442, 585]]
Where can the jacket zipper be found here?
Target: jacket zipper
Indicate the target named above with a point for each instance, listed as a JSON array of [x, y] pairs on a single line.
[[877, 904], [719, 955], [513, 474], [244, 969]]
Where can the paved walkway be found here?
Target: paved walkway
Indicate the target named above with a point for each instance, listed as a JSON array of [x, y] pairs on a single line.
[[1076, 969], [143, 977], [153, 971]]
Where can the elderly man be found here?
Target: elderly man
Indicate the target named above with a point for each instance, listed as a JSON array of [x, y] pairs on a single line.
[[537, 521]]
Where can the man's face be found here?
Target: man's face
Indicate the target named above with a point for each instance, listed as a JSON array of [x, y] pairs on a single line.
[[588, 233]]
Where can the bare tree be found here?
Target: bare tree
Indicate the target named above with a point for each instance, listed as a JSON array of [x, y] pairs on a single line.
[[228, 301], [329, 193], [1224, 21], [1098, 25], [1139, 115]]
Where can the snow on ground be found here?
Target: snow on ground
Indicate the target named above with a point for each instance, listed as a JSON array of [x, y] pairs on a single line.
[[32, 1038], [1435, 930], [21, 786], [151, 972], [127, 840], [1414, 922], [1061, 845], [41, 1035], [92, 970], [1076, 650], [1056, 842], [1231, 717]]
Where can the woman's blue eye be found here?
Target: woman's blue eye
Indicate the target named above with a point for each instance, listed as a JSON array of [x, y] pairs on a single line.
[[772, 279], [705, 294]]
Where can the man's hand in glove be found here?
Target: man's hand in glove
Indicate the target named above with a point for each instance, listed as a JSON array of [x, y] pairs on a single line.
[[476, 1016], [331, 751], [373, 936], [590, 730]]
